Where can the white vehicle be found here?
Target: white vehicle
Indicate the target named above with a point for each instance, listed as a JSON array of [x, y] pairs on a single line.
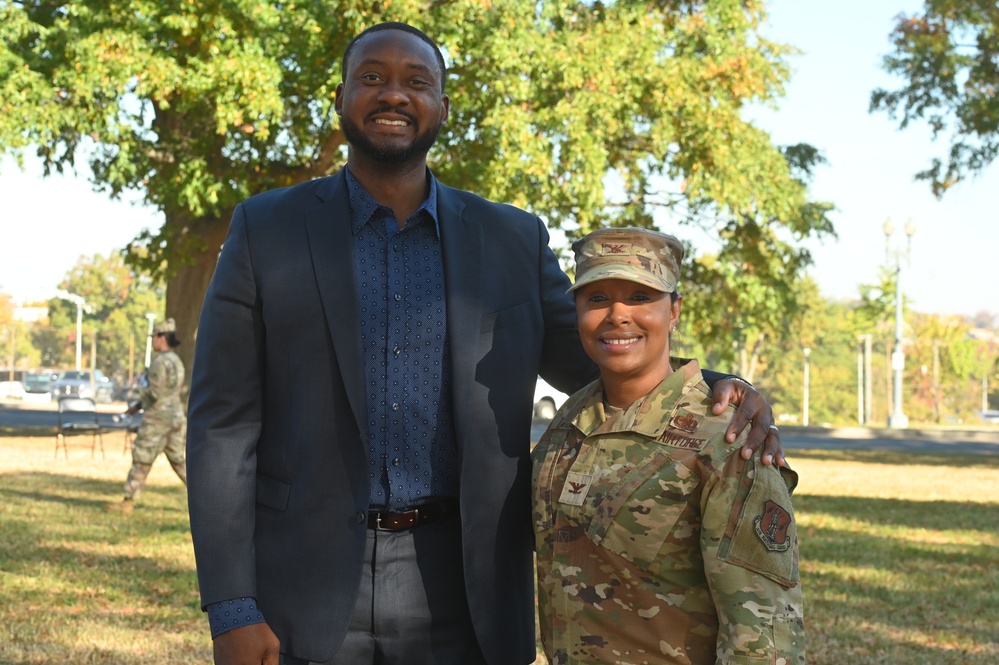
[[547, 400], [11, 390], [77, 383]]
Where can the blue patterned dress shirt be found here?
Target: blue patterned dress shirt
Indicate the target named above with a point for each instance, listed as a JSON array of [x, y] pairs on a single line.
[[399, 276], [412, 450]]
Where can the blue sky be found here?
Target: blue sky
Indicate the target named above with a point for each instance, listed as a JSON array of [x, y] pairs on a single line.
[[871, 166], [47, 224]]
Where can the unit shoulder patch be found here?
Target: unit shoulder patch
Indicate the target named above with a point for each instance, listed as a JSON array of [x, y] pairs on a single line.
[[772, 526]]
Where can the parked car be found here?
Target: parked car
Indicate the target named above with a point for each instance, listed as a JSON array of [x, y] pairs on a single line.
[[78, 383], [126, 391], [547, 400], [11, 390], [38, 387]]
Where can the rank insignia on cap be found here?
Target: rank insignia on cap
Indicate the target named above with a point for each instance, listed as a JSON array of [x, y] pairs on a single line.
[[772, 525], [633, 254]]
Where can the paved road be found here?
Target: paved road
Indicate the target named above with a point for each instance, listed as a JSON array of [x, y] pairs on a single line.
[[42, 420], [984, 441], [877, 442]]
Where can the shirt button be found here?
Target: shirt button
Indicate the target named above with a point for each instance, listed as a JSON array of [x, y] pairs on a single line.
[[360, 516], [398, 297], [395, 406], [395, 462], [397, 350]]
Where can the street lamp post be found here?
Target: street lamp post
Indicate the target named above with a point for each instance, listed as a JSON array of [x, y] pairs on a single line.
[[898, 419], [864, 380], [149, 339], [81, 305], [804, 402]]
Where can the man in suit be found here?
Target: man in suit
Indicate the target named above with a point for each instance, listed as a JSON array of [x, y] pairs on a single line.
[[360, 410]]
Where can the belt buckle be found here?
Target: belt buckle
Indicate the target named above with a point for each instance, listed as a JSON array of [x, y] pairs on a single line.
[[378, 522]]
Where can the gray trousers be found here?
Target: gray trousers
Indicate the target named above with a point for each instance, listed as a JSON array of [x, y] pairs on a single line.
[[412, 608]]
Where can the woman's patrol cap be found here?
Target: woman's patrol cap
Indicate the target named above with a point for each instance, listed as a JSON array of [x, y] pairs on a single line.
[[633, 254], [164, 327]]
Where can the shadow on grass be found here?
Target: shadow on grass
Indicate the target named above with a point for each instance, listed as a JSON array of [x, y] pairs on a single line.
[[936, 515], [58, 524], [82, 585], [905, 585], [56, 653], [112, 492], [59, 488]]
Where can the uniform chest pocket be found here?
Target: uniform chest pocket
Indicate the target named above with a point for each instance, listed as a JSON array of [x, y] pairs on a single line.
[[638, 513]]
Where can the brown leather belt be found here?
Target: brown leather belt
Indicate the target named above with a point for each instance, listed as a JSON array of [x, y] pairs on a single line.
[[426, 513]]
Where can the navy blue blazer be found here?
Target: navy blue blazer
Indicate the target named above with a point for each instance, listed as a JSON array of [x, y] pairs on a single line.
[[277, 452]]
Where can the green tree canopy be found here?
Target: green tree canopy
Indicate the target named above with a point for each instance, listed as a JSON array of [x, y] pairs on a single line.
[[16, 351], [945, 367], [119, 301], [745, 296], [196, 105], [829, 330], [947, 56], [876, 310]]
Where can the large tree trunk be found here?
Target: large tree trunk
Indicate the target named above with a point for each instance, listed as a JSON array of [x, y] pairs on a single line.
[[188, 282]]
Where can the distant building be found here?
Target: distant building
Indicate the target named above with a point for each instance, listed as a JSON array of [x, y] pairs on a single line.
[[984, 335]]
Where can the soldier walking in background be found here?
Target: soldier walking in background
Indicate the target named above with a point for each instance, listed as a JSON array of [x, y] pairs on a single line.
[[164, 423]]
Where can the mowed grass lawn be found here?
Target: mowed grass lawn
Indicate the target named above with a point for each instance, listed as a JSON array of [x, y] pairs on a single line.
[[900, 559]]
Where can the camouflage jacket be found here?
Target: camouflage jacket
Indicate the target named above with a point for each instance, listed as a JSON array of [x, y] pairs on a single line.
[[656, 541], [165, 379]]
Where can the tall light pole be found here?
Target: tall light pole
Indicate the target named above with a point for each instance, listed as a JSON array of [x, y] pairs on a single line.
[[149, 339], [804, 402], [897, 419], [13, 352], [81, 305], [864, 379]]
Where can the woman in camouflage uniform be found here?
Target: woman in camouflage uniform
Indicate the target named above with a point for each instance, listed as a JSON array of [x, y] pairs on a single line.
[[164, 423], [656, 541]]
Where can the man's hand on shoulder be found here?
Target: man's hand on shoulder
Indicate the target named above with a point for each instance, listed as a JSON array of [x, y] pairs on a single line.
[[255, 644], [752, 410]]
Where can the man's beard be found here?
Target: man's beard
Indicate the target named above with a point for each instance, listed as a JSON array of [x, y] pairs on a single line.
[[389, 154]]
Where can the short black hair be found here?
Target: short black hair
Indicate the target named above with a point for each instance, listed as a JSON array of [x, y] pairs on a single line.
[[395, 25]]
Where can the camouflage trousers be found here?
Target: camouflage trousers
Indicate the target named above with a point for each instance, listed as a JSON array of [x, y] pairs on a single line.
[[155, 437]]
